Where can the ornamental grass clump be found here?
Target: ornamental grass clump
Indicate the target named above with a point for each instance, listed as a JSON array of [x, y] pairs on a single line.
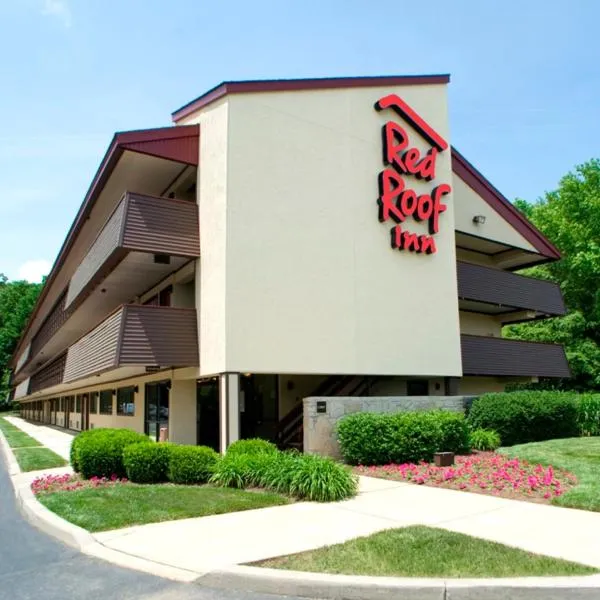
[[485, 440], [588, 415]]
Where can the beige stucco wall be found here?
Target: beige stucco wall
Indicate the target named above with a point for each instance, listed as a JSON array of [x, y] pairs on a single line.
[[478, 324], [182, 414], [481, 385], [211, 267], [313, 285], [468, 204]]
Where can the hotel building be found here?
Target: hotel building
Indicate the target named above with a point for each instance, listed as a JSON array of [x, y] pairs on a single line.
[[283, 239]]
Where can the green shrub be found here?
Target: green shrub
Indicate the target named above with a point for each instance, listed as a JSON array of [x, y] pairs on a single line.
[[147, 462], [78, 440], [101, 455], [191, 464], [485, 440], [588, 414], [321, 479], [528, 416], [253, 446], [375, 439], [303, 476]]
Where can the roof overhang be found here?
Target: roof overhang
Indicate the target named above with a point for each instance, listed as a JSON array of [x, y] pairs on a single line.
[[294, 85], [510, 257], [176, 145]]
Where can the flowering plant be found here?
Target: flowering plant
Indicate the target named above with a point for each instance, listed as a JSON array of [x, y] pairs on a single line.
[[484, 472], [47, 484]]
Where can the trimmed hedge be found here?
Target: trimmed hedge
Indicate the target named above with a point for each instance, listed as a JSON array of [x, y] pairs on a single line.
[[191, 464], [522, 417], [147, 462], [78, 440], [377, 439], [101, 455], [252, 446], [304, 476]]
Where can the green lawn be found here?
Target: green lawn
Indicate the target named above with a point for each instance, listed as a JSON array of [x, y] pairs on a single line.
[[581, 456], [15, 437], [425, 552], [122, 505], [36, 459]]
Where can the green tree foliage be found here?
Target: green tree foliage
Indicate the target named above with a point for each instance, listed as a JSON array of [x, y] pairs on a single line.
[[17, 299], [570, 218]]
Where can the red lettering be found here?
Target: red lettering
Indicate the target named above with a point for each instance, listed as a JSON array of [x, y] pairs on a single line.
[[396, 233], [395, 140], [438, 208], [425, 208], [411, 160], [427, 244], [390, 187], [427, 166], [408, 202], [410, 241]]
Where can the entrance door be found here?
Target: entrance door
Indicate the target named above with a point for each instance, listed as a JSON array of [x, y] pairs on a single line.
[[156, 424], [207, 414]]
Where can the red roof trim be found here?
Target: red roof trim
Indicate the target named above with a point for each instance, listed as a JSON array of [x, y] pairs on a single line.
[[294, 85], [475, 180], [184, 148]]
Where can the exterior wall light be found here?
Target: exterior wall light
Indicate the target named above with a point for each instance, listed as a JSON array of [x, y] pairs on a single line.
[[479, 219]]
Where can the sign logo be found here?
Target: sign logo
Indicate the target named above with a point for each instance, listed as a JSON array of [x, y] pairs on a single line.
[[397, 201]]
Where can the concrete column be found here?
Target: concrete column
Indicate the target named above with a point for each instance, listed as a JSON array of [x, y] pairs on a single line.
[[182, 411], [229, 405]]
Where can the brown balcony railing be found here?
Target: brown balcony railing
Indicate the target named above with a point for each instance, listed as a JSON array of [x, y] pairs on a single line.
[[139, 223], [509, 290], [505, 357], [136, 335]]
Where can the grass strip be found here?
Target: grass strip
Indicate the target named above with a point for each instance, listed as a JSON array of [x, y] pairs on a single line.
[[15, 437], [36, 459], [122, 505], [425, 552]]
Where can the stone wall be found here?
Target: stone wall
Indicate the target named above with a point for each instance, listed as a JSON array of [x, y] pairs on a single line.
[[319, 427]]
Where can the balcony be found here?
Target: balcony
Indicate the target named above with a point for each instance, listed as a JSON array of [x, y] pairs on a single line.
[[489, 356], [165, 229], [145, 239], [136, 336], [512, 297]]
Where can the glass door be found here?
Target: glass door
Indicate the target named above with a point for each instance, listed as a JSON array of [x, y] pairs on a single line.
[[156, 424]]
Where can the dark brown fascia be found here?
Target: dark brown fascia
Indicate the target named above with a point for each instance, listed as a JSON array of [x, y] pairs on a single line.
[[478, 183], [294, 85], [144, 141]]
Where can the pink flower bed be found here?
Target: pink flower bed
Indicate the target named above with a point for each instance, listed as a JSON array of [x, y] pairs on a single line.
[[486, 473], [70, 483]]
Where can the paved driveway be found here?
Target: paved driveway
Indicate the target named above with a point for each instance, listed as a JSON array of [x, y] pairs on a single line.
[[35, 566]]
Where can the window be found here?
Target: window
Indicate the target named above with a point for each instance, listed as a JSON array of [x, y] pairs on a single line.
[[126, 402], [93, 403], [106, 402]]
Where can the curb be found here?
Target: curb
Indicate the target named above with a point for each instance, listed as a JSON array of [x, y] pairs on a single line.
[[352, 587], [77, 537]]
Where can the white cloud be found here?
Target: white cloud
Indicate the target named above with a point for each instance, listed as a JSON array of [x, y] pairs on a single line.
[[34, 270], [59, 9]]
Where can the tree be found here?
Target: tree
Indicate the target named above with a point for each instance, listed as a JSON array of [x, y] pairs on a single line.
[[570, 218], [17, 299]]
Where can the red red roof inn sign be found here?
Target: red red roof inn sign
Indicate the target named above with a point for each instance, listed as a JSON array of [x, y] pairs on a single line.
[[397, 200]]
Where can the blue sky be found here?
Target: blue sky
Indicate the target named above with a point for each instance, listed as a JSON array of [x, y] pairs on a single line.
[[523, 96]]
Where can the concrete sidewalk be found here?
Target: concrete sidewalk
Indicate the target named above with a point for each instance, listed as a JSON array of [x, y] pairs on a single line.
[[56, 440], [215, 542]]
